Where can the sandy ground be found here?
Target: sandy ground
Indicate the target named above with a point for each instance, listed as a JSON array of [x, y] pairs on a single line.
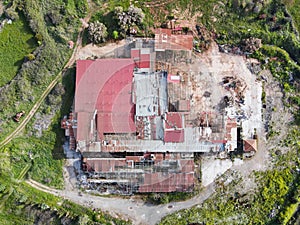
[[212, 168], [91, 50]]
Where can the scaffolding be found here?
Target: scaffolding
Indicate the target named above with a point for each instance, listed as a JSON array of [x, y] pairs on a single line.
[[144, 173]]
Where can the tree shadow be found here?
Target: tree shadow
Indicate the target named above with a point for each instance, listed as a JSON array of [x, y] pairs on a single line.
[[32, 42], [19, 63], [68, 81], [110, 22]]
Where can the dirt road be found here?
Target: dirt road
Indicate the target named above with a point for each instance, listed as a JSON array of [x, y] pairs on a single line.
[[137, 211], [48, 89], [31, 113]]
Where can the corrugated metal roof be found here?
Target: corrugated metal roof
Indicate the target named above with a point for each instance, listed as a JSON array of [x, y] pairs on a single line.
[[104, 85], [103, 165], [174, 136], [176, 174], [231, 128], [151, 93], [164, 39], [83, 126], [173, 120], [158, 182], [187, 165]]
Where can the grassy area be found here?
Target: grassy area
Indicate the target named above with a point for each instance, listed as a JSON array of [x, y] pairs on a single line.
[[164, 198], [46, 151], [42, 167], [48, 209], [274, 201], [54, 29], [16, 41], [294, 8]]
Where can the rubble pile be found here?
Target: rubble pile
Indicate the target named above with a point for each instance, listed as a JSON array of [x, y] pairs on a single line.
[[236, 98], [251, 44], [236, 87], [231, 49], [247, 46]]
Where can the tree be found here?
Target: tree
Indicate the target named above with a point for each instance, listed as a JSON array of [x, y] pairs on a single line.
[[136, 15], [97, 32], [126, 19], [58, 90]]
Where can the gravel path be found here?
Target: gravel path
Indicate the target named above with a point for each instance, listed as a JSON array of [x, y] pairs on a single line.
[[36, 106], [137, 211]]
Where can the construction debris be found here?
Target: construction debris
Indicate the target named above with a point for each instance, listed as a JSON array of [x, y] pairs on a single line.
[[18, 116]]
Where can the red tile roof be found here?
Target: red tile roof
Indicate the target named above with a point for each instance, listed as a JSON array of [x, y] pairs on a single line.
[[141, 60], [250, 145], [173, 127]]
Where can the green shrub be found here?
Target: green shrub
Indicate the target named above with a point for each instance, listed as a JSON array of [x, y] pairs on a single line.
[[115, 35], [30, 57]]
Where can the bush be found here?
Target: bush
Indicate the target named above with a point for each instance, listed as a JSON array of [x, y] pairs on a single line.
[[97, 32], [11, 13], [30, 57], [115, 35], [82, 7]]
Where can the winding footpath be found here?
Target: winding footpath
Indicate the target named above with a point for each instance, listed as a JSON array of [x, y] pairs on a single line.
[[138, 212], [36, 106]]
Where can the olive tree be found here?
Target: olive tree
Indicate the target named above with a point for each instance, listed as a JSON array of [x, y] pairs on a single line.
[[97, 32], [126, 19]]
